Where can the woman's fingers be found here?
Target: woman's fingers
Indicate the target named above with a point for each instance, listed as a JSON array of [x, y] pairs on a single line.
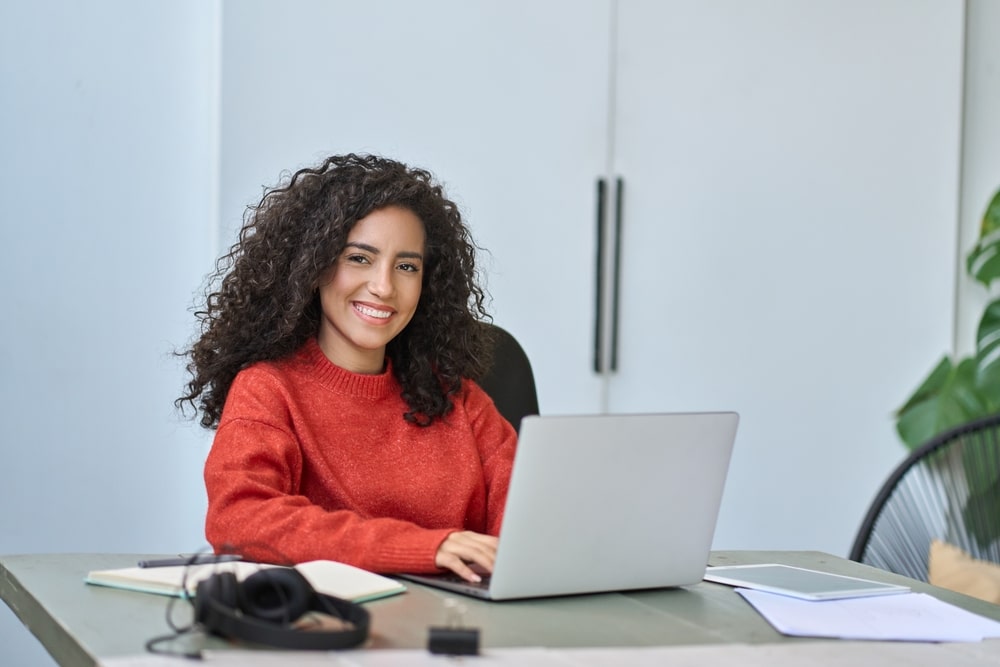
[[461, 552]]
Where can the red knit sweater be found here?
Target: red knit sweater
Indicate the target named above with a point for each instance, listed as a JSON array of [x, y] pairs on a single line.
[[311, 461]]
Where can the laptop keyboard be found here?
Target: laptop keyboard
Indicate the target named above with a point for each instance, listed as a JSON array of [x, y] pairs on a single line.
[[454, 578]]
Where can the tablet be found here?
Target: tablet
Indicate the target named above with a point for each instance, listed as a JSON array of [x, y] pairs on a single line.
[[799, 582]]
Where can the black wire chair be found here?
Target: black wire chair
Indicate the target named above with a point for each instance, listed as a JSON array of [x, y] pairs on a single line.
[[947, 489], [510, 382]]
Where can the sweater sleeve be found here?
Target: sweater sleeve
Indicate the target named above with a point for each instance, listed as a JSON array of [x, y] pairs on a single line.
[[252, 477], [497, 442]]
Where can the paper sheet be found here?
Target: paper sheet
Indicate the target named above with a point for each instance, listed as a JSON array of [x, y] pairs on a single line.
[[906, 617]]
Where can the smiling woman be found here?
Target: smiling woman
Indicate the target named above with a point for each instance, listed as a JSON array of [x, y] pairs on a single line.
[[340, 340]]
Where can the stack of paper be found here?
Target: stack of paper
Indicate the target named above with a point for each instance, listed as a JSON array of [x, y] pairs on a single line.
[[903, 617]]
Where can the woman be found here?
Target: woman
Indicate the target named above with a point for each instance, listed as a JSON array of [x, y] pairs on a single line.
[[337, 342]]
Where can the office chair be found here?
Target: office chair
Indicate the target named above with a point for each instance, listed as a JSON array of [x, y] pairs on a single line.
[[510, 381], [947, 489]]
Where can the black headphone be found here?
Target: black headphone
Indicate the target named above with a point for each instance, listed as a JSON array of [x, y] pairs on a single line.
[[260, 608]]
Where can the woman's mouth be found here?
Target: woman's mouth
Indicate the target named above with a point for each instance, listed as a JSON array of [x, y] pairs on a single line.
[[368, 311]]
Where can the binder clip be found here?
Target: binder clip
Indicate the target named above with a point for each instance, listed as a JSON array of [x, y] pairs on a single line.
[[453, 639]]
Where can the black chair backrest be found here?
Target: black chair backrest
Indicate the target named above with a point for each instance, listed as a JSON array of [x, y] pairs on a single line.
[[947, 489], [510, 381]]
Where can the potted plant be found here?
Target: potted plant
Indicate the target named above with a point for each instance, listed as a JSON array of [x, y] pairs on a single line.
[[962, 389]]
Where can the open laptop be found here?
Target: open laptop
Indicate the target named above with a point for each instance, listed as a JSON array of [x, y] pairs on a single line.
[[607, 503]]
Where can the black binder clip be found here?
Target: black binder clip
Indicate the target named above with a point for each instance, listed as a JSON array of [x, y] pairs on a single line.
[[453, 639]]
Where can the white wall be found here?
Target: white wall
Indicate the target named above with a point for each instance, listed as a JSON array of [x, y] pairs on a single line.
[[108, 142]]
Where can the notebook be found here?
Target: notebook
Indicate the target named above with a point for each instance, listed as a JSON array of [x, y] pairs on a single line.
[[608, 503], [326, 576]]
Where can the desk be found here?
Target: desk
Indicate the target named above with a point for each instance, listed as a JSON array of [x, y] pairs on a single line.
[[80, 625]]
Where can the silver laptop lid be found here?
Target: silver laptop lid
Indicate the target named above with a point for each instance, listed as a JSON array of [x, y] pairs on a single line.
[[612, 502]]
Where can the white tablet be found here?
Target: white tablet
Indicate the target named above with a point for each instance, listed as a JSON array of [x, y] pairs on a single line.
[[799, 582]]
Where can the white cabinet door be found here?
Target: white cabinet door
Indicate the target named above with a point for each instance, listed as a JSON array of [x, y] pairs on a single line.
[[505, 101], [789, 229]]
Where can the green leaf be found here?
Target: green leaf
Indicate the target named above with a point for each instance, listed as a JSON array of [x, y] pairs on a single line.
[[948, 397], [988, 355], [983, 262], [964, 391], [991, 218], [932, 385]]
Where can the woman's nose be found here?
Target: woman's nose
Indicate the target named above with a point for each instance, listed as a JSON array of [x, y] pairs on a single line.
[[381, 284]]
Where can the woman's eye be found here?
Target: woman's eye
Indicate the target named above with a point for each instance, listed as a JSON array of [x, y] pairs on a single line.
[[357, 259], [413, 268]]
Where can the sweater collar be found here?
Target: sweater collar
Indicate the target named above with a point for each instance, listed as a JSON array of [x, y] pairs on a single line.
[[342, 381]]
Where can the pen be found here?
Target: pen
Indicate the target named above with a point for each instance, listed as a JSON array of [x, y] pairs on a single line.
[[190, 560]]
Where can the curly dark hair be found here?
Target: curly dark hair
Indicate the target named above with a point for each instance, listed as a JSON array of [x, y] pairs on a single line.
[[262, 301]]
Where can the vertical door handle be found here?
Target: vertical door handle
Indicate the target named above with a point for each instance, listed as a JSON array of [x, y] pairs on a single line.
[[616, 270], [599, 281]]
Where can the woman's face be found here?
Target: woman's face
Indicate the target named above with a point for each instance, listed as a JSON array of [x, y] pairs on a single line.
[[370, 293]]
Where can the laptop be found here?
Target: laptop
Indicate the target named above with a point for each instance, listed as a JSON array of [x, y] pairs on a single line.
[[607, 503]]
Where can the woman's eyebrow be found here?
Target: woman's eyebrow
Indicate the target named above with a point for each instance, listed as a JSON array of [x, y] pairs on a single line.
[[363, 246], [406, 254]]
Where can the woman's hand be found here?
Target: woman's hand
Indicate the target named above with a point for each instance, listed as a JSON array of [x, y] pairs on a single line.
[[462, 551]]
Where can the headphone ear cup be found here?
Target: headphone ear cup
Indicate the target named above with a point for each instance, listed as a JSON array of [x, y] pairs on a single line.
[[275, 595], [220, 589]]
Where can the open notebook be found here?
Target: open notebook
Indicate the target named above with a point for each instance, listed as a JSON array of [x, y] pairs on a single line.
[[607, 503], [326, 576]]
